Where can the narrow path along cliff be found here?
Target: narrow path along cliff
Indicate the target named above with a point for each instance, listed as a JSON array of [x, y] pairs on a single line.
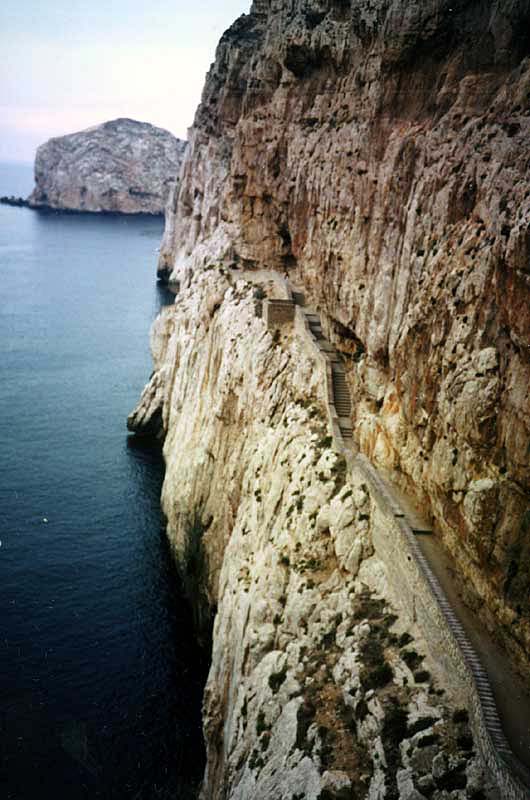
[[507, 690], [381, 157], [377, 154], [259, 513]]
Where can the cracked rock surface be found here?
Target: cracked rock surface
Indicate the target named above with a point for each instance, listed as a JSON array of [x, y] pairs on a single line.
[[317, 690], [122, 166], [378, 152]]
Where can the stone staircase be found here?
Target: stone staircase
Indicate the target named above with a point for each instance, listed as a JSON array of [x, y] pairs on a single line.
[[340, 396], [513, 775], [516, 782], [339, 389]]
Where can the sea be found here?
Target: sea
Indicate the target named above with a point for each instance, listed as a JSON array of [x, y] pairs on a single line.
[[101, 676]]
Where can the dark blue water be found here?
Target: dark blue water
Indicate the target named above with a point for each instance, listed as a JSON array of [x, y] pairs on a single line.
[[100, 676]]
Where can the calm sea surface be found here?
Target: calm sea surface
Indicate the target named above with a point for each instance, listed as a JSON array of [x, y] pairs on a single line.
[[100, 677]]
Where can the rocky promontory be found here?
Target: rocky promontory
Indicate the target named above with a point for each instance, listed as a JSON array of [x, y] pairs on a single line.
[[320, 687], [122, 166], [377, 153]]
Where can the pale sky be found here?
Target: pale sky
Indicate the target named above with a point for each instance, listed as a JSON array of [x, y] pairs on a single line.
[[68, 64]]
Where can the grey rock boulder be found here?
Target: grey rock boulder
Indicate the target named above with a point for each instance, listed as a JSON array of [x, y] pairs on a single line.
[[122, 166]]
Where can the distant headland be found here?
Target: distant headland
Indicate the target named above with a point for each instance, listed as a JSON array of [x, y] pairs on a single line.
[[120, 167]]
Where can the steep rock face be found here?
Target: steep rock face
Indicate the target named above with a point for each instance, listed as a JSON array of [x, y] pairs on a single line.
[[122, 166], [378, 151], [316, 688]]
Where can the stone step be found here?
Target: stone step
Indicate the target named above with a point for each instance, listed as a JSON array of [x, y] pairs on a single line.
[[340, 389]]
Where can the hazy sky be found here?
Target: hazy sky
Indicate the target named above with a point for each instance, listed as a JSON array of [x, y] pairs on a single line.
[[68, 64]]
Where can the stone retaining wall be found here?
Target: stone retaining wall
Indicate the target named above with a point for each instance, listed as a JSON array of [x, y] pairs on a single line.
[[277, 312]]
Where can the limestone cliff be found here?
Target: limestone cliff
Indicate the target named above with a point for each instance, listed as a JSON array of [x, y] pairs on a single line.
[[122, 166], [317, 690], [378, 151]]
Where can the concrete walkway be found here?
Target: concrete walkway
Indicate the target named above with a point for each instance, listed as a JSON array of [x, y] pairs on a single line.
[[503, 695], [506, 689], [511, 694]]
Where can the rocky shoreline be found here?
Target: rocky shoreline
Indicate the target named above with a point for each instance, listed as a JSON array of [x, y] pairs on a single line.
[[21, 202], [380, 159], [17, 202], [320, 686], [393, 186]]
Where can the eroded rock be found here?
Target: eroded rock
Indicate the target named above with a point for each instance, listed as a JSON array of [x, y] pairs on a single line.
[[312, 690], [379, 153], [122, 166]]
